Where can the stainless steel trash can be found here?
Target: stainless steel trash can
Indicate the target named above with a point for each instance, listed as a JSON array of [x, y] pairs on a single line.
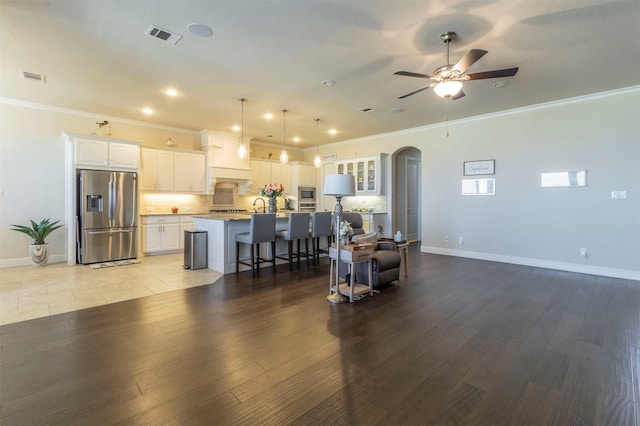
[[195, 249]]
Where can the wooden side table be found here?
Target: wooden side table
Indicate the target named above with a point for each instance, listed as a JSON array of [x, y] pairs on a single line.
[[403, 248], [350, 257]]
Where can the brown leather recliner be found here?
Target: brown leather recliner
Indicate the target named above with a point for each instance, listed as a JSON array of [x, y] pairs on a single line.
[[385, 261]]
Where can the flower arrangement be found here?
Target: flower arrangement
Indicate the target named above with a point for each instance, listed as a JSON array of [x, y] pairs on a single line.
[[272, 190], [345, 229]]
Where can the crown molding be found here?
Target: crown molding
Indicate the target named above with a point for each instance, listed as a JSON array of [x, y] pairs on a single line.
[[520, 110], [112, 119]]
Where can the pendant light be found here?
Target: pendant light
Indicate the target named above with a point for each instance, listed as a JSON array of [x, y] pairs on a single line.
[[242, 149], [284, 157], [316, 161]]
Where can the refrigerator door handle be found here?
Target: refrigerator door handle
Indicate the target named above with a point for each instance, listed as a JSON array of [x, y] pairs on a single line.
[[112, 200], [111, 231]]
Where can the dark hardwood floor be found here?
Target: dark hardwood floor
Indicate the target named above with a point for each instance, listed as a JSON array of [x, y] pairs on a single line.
[[458, 342]]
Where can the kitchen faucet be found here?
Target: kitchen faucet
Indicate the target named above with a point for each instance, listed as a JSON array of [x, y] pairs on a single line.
[[264, 207]]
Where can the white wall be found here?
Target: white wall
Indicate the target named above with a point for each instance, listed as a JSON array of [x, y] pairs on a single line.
[[32, 167], [522, 223]]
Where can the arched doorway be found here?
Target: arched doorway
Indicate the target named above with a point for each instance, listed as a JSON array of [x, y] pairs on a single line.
[[406, 187]]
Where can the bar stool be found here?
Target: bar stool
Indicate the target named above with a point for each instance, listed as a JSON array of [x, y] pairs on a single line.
[[297, 229], [262, 230], [320, 227]]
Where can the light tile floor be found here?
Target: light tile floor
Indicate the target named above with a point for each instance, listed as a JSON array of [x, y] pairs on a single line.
[[28, 292]]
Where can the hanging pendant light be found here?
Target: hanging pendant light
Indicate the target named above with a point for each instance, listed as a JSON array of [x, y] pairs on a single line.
[[284, 157], [316, 161], [242, 149]]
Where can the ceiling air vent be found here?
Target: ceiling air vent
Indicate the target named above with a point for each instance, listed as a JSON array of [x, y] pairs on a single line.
[[366, 109], [32, 76], [164, 35]]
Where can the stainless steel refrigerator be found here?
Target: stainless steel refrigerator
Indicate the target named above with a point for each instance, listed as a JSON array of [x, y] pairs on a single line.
[[107, 215]]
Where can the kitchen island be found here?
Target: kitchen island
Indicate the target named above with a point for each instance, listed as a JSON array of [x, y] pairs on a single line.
[[222, 229]]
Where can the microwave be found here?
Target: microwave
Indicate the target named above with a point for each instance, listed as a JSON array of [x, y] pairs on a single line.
[[306, 194]]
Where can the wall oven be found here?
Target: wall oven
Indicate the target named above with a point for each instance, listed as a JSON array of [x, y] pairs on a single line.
[[307, 194], [306, 199], [306, 207]]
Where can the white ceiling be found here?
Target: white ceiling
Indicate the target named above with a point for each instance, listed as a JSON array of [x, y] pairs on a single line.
[[97, 58]]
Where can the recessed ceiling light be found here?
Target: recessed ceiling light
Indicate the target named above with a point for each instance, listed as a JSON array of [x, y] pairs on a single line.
[[236, 128], [171, 92], [147, 111], [268, 116], [200, 30], [296, 139], [328, 83], [333, 131], [499, 84]]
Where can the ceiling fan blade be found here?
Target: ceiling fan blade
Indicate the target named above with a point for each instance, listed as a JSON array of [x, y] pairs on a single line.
[[415, 91], [412, 74], [469, 59], [507, 72], [459, 95]]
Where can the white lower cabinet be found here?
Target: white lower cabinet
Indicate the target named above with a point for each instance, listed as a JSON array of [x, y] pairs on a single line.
[[164, 234]]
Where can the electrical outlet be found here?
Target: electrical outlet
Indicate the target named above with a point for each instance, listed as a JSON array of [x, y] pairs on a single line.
[[446, 238], [583, 252], [460, 240]]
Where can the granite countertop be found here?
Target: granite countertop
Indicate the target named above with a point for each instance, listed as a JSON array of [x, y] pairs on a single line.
[[236, 216], [172, 214]]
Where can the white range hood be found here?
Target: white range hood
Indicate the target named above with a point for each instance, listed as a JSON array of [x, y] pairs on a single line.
[[223, 164]]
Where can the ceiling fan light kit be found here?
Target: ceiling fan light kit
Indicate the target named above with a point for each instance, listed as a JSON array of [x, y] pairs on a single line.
[[448, 78], [448, 89]]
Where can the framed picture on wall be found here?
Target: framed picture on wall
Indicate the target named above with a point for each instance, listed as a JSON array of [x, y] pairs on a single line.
[[480, 167]]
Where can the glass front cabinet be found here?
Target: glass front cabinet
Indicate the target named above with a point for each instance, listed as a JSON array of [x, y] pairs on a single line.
[[367, 172]]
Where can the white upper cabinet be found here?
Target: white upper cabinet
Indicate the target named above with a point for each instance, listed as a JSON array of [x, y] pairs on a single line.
[[302, 174], [104, 153], [124, 156], [156, 170], [172, 171], [368, 173], [189, 172], [265, 172]]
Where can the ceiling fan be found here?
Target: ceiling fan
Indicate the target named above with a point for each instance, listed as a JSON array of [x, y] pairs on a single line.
[[448, 78]]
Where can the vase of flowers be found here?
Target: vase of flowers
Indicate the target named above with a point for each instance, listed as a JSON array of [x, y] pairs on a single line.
[[346, 231], [272, 191]]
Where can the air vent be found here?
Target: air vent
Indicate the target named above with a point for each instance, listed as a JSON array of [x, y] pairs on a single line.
[[162, 34], [32, 76], [366, 109]]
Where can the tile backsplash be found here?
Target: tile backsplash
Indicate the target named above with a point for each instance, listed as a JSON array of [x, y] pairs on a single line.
[[163, 203]]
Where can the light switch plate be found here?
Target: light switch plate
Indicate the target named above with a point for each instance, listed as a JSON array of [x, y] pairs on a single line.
[[618, 194]]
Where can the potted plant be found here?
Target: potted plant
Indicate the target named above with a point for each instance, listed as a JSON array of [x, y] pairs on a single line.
[[39, 249]]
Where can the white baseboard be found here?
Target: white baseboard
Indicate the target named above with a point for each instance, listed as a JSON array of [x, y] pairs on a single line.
[[21, 261], [539, 263]]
